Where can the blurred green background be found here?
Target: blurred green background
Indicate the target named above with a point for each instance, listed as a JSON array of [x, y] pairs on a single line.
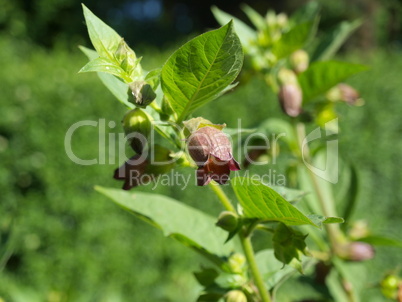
[[62, 241]]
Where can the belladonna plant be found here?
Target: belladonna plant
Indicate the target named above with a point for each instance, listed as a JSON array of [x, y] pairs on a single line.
[[163, 136]]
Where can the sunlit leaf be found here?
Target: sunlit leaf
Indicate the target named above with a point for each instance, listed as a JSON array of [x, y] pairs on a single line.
[[189, 226], [104, 65], [103, 37], [201, 69], [246, 33], [262, 202], [115, 86]]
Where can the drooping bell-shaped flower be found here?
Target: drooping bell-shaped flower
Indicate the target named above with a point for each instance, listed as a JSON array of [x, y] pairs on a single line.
[[144, 168], [211, 150]]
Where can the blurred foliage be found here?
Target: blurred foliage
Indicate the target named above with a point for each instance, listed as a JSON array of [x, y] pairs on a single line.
[[163, 22], [62, 241]]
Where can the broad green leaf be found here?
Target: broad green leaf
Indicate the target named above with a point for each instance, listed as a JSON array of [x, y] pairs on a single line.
[[292, 40], [381, 240], [333, 40], [262, 202], [189, 226], [258, 21], [246, 33], [320, 220], [321, 76], [104, 39], [291, 195], [115, 86], [201, 69], [105, 65]]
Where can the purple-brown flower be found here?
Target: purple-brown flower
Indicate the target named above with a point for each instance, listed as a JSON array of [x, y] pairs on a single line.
[[211, 150], [142, 169], [131, 172]]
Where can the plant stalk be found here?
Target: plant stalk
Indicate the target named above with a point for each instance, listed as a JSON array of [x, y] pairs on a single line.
[[334, 234], [249, 253], [246, 244], [222, 197]]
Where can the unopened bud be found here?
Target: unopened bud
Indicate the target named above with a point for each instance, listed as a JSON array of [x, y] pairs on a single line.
[[142, 93], [287, 76], [270, 18], [357, 251], [137, 127], [128, 60], [344, 93], [227, 221], [237, 263], [290, 98], [165, 106], [235, 296], [166, 109], [299, 60], [282, 20], [389, 286]]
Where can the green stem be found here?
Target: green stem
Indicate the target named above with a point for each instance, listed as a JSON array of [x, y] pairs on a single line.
[[249, 253], [222, 197], [246, 244], [333, 231]]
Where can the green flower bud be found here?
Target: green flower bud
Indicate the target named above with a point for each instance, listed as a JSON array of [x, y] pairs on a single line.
[[237, 263], [137, 127], [227, 221], [270, 18], [235, 296], [128, 60], [325, 113], [282, 20], [165, 106], [166, 109], [287, 76], [299, 60], [389, 286], [228, 280], [142, 92]]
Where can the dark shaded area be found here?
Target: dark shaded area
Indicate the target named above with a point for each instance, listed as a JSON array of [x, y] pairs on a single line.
[[165, 22]]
